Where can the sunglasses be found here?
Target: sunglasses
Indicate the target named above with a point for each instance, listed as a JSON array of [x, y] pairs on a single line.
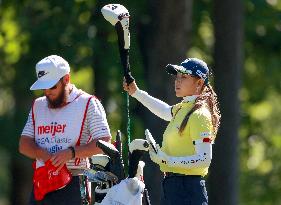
[[56, 85]]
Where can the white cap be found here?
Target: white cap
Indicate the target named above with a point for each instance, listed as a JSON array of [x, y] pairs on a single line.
[[49, 71]]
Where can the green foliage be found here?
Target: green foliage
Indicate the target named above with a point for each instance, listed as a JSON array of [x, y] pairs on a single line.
[[5, 176], [31, 30], [260, 98], [83, 79], [260, 131]]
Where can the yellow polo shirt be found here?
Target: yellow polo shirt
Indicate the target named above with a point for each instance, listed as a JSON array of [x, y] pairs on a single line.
[[174, 144]]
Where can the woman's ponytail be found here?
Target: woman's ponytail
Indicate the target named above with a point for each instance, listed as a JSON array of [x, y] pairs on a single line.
[[208, 97]]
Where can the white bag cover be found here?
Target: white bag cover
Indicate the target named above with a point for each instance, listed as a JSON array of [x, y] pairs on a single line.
[[127, 192]]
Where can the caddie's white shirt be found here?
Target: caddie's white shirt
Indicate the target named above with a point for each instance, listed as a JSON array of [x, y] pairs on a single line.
[[95, 124]]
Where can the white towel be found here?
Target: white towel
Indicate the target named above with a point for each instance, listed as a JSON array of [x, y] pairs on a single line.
[[127, 192]]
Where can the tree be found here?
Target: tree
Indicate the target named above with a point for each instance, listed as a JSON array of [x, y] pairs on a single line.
[[45, 29], [164, 41], [228, 24]]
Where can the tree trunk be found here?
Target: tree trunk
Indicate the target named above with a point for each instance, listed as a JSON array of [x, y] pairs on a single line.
[[21, 172], [166, 41], [228, 24]]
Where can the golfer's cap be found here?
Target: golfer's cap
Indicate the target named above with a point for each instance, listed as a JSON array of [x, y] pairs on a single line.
[[49, 71], [191, 66]]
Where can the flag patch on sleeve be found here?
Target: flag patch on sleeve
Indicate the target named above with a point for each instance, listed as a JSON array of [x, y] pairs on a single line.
[[205, 134]]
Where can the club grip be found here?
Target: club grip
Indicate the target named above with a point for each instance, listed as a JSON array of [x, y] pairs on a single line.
[[118, 142], [124, 54], [145, 198]]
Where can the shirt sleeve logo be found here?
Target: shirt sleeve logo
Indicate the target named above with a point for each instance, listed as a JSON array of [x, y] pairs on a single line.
[[205, 134]]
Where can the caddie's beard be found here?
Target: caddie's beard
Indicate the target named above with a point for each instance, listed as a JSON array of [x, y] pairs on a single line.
[[60, 100]]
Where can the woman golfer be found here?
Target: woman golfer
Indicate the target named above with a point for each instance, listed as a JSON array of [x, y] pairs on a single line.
[[186, 151]]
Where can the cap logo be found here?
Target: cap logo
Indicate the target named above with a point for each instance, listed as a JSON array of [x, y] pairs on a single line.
[[41, 73], [184, 70], [202, 75], [189, 72]]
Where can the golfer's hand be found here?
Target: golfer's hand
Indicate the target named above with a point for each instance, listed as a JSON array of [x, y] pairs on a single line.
[[159, 157], [131, 88], [60, 158]]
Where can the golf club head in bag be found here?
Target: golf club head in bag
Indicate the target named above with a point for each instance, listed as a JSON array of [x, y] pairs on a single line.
[[100, 175], [115, 163], [100, 162], [103, 182], [137, 149], [131, 190], [100, 170]]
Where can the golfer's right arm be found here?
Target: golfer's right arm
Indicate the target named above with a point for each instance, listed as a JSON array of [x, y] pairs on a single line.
[[156, 106], [27, 145]]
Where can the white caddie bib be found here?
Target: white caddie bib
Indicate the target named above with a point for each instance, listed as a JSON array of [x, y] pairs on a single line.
[[58, 129]]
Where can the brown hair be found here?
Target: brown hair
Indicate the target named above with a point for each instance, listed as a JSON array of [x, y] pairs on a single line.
[[207, 97]]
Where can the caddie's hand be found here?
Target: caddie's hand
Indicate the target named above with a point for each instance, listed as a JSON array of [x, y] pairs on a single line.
[[131, 88], [159, 157], [60, 158], [44, 154]]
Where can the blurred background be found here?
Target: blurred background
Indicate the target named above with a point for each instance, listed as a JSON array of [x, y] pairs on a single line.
[[240, 41]]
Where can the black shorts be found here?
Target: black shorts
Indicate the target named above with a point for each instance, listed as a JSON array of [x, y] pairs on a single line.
[[69, 195], [184, 190]]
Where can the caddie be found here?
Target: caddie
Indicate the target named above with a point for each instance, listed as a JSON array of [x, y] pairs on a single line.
[[60, 134]]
